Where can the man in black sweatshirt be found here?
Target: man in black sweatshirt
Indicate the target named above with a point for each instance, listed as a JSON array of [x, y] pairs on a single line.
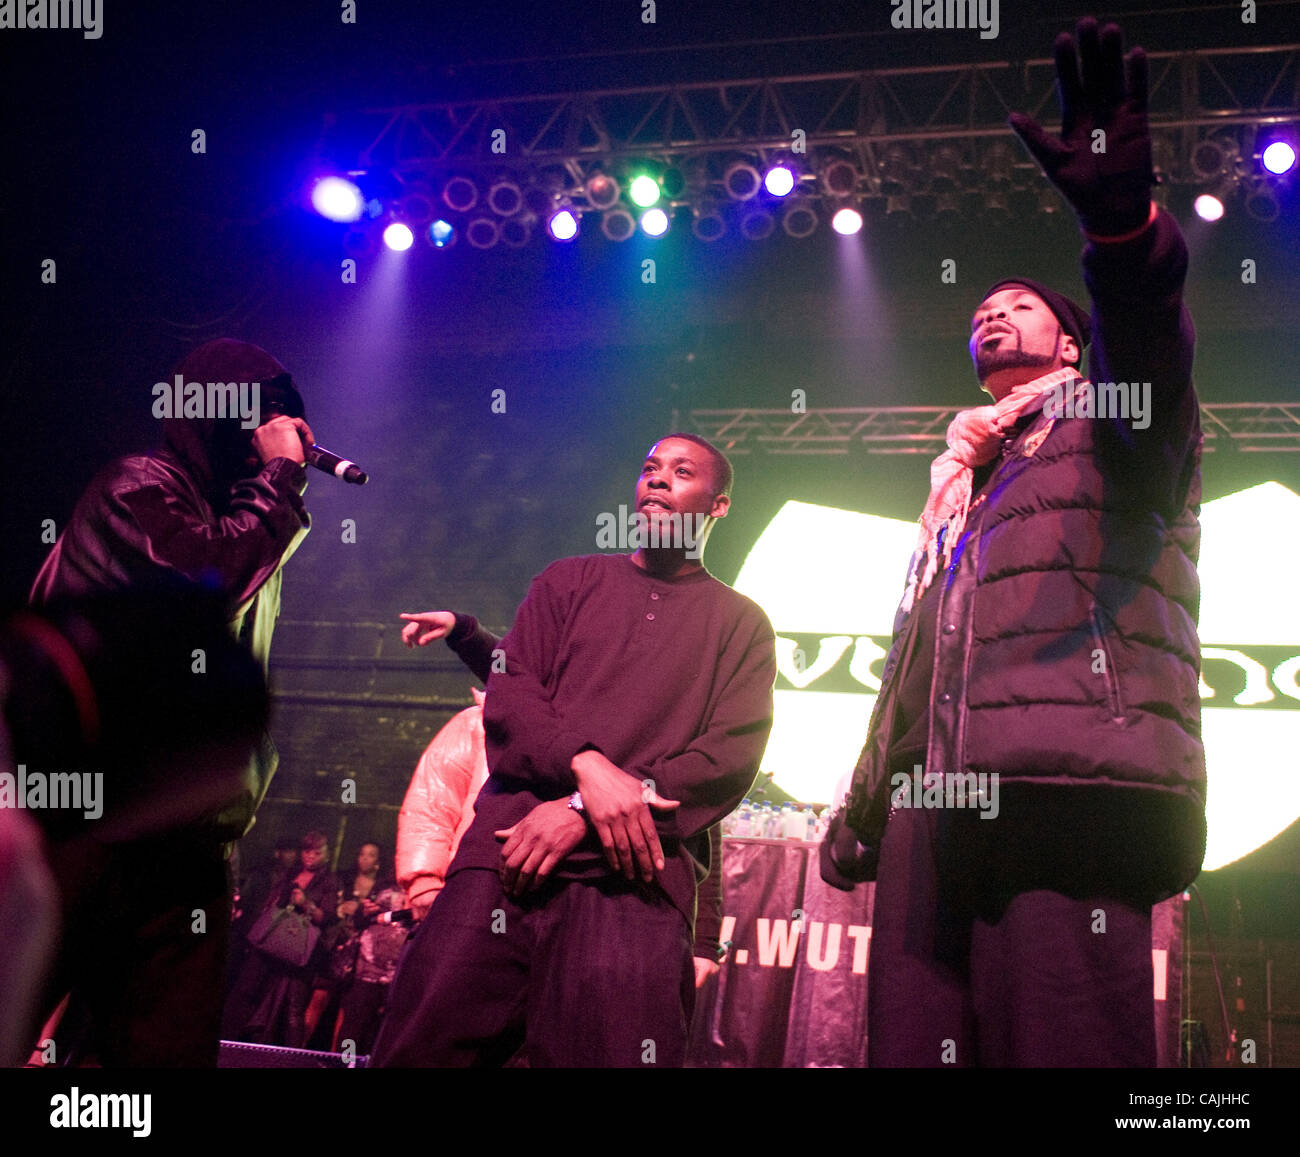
[[630, 715]]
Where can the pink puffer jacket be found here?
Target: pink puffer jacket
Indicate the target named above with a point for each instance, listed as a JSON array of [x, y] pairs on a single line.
[[439, 803]]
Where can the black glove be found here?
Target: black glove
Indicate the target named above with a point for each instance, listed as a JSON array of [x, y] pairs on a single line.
[[845, 862], [1110, 190]]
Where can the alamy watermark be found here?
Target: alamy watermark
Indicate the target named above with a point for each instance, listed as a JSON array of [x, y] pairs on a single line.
[[57, 14], [670, 530], [930, 789], [39, 791], [981, 14], [182, 399], [1130, 401]]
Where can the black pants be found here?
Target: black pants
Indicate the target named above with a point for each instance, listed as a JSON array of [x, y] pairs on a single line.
[[581, 973], [972, 968], [363, 1004]]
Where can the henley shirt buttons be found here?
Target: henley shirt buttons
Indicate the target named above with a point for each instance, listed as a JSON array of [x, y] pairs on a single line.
[[654, 595], [650, 617], [948, 628], [945, 698]]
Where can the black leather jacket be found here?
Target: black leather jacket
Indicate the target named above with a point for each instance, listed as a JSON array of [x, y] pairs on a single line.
[[186, 510]]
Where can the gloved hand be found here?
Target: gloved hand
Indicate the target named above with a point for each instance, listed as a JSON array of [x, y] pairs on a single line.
[[1106, 179], [844, 861]]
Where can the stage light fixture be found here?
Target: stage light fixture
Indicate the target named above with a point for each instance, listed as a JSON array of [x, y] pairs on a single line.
[[779, 180], [999, 163], [839, 177], [602, 191], [897, 171], [417, 209], [708, 224], [482, 233], [847, 221], [644, 191], [337, 199], [505, 198], [741, 180], [358, 242], [398, 236], [460, 194], [441, 234], [1278, 157], [1208, 207], [1261, 202], [946, 169], [617, 224], [673, 182], [563, 224], [800, 219], [540, 202], [757, 224], [947, 207], [1214, 156], [654, 222], [517, 231], [997, 206]]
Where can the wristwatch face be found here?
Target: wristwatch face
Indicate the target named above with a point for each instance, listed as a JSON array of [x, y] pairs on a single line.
[[575, 801]]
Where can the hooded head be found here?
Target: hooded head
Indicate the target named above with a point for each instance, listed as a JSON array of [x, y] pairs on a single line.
[[218, 450]]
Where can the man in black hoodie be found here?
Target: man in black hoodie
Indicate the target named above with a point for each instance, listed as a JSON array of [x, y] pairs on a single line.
[[219, 505]]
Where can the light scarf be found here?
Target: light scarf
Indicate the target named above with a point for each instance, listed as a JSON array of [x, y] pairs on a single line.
[[974, 438]]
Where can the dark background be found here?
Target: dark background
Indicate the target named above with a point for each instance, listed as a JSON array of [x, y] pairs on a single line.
[[158, 249]]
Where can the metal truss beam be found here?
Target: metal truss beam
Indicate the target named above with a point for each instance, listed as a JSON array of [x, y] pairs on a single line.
[[1191, 93], [1252, 427]]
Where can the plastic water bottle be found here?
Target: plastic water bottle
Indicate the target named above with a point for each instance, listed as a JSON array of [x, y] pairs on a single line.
[[740, 826], [810, 822], [791, 822]]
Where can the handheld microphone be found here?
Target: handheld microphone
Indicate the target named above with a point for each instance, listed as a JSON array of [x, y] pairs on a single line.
[[349, 471], [400, 916]]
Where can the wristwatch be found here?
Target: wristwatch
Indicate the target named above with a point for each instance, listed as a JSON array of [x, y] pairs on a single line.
[[575, 802]]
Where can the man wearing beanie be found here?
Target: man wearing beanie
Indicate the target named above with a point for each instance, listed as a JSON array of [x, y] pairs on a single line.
[[219, 506], [1042, 685]]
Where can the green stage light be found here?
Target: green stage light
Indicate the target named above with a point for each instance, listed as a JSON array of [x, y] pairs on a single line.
[[644, 191]]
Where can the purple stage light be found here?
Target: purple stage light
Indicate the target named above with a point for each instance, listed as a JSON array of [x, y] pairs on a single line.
[[337, 199], [1279, 157], [398, 236], [847, 222], [654, 222], [563, 225], [779, 181], [1208, 207]]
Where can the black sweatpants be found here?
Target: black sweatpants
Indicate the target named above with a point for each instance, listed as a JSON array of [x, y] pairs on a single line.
[[971, 970], [582, 973]]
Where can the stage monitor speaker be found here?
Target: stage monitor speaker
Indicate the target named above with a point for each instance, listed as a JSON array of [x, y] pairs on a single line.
[[237, 1054]]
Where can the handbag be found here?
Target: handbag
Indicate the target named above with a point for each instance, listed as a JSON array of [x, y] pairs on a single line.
[[285, 934], [343, 953]]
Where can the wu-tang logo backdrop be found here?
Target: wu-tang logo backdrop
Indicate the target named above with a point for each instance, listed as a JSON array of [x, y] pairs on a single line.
[[830, 580]]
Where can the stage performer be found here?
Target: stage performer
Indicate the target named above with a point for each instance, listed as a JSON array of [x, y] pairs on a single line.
[[439, 803], [220, 504], [1046, 648], [631, 715]]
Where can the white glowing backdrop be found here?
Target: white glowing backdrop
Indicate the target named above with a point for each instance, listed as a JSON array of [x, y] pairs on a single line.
[[838, 574]]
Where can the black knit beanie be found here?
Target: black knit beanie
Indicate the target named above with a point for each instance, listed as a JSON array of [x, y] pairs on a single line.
[[1073, 317]]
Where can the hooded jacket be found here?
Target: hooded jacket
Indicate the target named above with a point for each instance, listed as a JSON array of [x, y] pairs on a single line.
[[200, 509], [1063, 653]]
